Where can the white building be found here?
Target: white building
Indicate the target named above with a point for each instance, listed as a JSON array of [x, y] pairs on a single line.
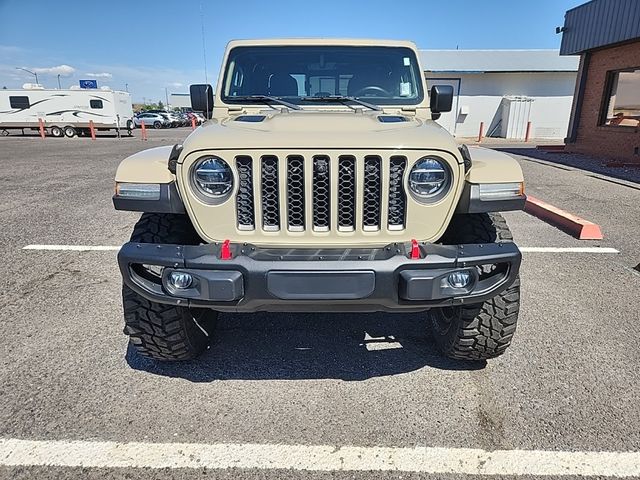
[[505, 89], [179, 100]]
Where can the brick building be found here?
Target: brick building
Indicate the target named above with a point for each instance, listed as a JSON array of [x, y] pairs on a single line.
[[605, 117]]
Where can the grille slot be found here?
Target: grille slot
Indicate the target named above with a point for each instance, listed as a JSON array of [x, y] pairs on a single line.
[[269, 193], [397, 196], [295, 193], [244, 199], [321, 194], [372, 193], [346, 192]]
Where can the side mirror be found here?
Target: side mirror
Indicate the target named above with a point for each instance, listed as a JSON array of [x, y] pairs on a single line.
[[441, 98], [202, 98]]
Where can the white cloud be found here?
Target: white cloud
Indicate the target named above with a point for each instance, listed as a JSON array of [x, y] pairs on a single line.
[[176, 85], [62, 70], [99, 75]]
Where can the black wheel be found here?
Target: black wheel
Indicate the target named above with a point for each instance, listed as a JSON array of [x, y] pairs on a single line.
[[157, 124], [483, 330], [56, 132], [159, 331], [69, 131]]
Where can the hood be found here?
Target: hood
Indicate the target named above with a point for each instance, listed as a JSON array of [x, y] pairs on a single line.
[[320, 130]]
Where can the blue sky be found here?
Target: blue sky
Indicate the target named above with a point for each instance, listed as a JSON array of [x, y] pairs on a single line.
[[153, 45]]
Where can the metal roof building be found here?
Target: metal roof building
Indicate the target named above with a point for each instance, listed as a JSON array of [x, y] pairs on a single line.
[[605, 117], [504, 90], [600, 23]]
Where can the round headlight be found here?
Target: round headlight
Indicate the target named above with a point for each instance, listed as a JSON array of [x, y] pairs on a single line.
[[429, 178], [213, 177]]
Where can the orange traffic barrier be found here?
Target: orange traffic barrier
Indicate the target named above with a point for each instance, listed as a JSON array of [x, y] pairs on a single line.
[[481, 132], [528, 134], [144, 130], [193, 123], [41, 125], [92, 129], [572, 224]]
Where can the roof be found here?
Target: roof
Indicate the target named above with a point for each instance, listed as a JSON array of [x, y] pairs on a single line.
[[481, 61], [600, 23], [322, 41]]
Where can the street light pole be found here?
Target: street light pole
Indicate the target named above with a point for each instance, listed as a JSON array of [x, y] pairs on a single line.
[[166, 95], [126, 87], [29, 71], [59, 87]]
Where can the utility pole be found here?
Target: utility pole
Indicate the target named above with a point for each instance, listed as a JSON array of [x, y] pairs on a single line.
[[59, 87], [126, 87], [29, 71], [166, 95]]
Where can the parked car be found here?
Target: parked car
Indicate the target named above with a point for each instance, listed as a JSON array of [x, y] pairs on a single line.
[[172, 118], [349, 198], [154, 120]]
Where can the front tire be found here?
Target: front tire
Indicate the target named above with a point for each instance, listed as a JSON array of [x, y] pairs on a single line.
[[159, 331], [484, 330]]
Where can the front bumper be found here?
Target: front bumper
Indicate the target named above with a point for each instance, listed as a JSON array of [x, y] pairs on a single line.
[[330, 280]]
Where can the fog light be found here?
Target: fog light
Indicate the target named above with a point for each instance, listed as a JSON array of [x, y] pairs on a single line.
[[180, 280], [460, 279]]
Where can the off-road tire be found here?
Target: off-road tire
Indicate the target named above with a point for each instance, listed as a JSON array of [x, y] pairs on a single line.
[[159, 331], [484, 330]]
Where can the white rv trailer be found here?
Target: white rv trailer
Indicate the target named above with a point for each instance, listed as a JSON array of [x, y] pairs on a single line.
[[65, 112]]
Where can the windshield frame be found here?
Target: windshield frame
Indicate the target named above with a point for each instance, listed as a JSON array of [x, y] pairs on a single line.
[[407, 51]]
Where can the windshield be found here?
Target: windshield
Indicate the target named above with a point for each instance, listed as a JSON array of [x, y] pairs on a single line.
[[378, 75]]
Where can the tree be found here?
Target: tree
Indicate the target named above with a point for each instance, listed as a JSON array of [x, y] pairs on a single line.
[[160, 105]]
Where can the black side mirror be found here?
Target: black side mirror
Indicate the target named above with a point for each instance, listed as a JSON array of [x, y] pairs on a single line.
[[441, 98], [202, 98]]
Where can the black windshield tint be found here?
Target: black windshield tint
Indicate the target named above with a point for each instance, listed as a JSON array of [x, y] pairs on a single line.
[[379, 75]]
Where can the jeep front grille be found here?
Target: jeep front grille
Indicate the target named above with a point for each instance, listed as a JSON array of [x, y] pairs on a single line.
[[321, 193]]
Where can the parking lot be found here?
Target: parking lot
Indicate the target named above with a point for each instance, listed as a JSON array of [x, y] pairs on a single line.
[[304, 382]]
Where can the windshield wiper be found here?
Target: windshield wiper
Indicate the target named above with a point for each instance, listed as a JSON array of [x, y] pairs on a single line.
[[267, 100], [342, 99]]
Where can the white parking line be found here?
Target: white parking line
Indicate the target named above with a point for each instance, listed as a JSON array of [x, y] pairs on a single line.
[[569, 250], [325, 458], [108, 248], [72, 248]]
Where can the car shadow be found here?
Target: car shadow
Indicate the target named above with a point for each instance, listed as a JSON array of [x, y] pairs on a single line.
[[289, 346]]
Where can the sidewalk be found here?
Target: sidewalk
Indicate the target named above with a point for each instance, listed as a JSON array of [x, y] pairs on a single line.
[[575, 160]]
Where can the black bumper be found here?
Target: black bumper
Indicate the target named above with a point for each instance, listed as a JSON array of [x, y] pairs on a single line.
[[365, 280]]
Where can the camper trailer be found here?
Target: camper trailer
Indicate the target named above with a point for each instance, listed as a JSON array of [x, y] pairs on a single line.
[[65, 112]]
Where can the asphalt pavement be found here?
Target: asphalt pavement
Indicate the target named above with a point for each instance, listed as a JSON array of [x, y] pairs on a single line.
[[568, 383]]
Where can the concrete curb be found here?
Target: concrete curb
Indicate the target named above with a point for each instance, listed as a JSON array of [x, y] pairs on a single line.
[[572, 224]]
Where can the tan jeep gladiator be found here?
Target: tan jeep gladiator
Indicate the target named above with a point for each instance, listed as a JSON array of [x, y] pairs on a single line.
[[321, 182]]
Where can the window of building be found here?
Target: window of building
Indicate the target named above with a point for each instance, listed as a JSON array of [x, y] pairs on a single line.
[[622, 107], [19, 102], [95, 103]]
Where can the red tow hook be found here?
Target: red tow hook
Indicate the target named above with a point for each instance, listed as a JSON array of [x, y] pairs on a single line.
[[415, 250], [225, 251]]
